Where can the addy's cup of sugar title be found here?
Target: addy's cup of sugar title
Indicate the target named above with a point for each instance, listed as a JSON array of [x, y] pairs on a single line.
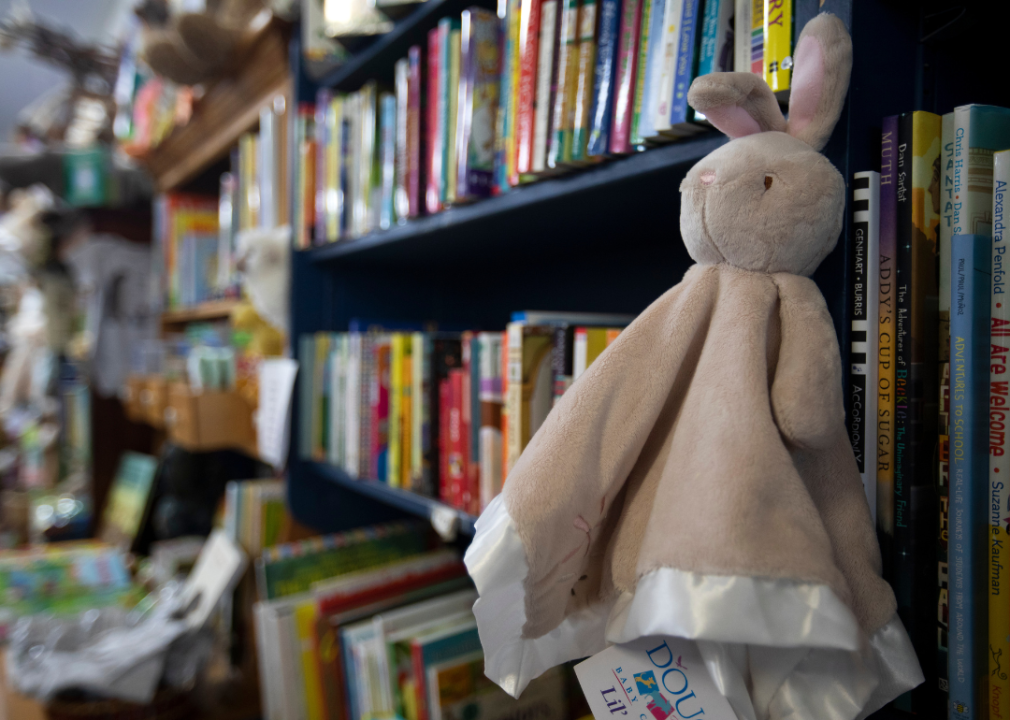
[[697, 481]]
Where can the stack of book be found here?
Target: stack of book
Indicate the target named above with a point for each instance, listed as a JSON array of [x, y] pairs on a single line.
[[543, 87], [376, 623], [442, 414], [928, 391]]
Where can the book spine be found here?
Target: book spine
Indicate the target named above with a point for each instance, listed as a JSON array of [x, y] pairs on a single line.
[[324, 100], [680, 111], [387, 211], [778, 43], [943, 350], [741, 34], [433, 146], [406, 410], [560, 146], [514, 395], [365, 408], [667, 74], [580, 353], [396, 352], [653, 61], [444, 405], [334, 188], [886, 347], [969, 332], [528, 50], [412, 183], [401, 197], [546, 57], [645, 26], [470, 493], [452, 114], [478, 154], [757, 37], [515, 64], [585, 80], [862, 353], [347, 113], [999, 463], [608, 56], [500, 184], [504, 410], [561, 361], [456, 460], [490, 399], [380, 412], [420, 362], [464, 101], [713, 37], [627, 79]]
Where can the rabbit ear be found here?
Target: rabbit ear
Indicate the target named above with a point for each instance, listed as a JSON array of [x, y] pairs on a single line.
[[821, 66], [736, 103]]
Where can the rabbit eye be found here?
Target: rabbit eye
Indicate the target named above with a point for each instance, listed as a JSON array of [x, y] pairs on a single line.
[[768, 182]]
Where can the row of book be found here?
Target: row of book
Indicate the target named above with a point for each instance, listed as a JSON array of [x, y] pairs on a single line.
[[383, 627], [443, 414], [255, 514], [927, 391], [542, 87]]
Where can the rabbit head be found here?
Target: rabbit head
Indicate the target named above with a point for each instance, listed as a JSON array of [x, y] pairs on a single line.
[[768, 200]]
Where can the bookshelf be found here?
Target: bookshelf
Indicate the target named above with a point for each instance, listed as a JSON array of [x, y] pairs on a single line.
[[211, 310]]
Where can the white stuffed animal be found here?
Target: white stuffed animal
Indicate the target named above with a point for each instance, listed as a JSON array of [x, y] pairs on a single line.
[[264, 262]]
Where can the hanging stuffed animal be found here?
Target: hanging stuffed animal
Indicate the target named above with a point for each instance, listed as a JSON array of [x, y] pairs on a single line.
[[697, 481], [263, 260]]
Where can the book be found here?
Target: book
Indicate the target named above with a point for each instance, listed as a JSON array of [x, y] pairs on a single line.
[[589, 343], [459, 688], [433, 134], [490, 400], [649, 8], [969, 333], [611, 51], [531, 384], [742, 22], [862, 382], [397, 353], [555, 317], [625, 81], [128, 500], [886, 348], [506, 10], [560, 146], [778, 43], [547, 66], [585, 79], [438, 647], [323, 126], [452, 115], [916, 387], [514, 30], [979, 130], [666, 73], [757, 36], [478, 103], [387, 155], [999, 463], [401, 194], [716, 47], [653, 70], [529, 34], [380, 402], [680, 121], [471, 422], [415, 137]]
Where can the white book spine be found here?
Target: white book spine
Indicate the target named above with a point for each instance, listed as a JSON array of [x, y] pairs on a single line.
[[741, 36], [545, 72], [580, 353], [668, 64]]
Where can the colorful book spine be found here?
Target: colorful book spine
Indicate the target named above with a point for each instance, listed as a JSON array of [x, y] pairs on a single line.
[[452, 112], [560, 146], [479, 45], [608, 57], [396, 355], [757, 37], [716, 47], [414, 135], [585, 80], [433, 146], [969, 465], [680, 112], [456, 460], [667, 68], [778, 43], [645, 27], [490, 399], [379, 446], [886, 337], [626, 78], [504, 96], [529, 34], [515, 63], [943, 370], [863, 351], [547, 57], [401, 201], [387, 139], [742, 10], [979, 130], [999, 463], [335, 171], [653, 70]]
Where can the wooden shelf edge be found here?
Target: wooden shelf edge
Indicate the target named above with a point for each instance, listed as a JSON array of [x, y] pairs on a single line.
[[405, 500], [618, 170], [211, 310]]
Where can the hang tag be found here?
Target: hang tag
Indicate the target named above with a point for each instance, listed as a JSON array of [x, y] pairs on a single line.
[[652, 679]]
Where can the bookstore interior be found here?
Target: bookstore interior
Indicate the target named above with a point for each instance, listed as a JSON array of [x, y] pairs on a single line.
[[354, 360]]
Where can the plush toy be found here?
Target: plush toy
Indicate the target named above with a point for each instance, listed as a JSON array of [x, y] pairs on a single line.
[[263, 260], [697, 481]]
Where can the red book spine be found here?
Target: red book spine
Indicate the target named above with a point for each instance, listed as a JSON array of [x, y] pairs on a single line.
[[444, 401], [420, 681], [433, 146], [529, 34], [457, 471], [470, 486], [624, 97], [380, 412], [414, 132]]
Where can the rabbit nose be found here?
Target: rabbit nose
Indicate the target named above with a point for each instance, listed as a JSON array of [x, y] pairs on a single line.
[[707, 177]]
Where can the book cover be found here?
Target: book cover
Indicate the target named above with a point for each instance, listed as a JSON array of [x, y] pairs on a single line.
[[547, 58], [609, 57], [433, 133], [862, 396], [401, 195], [585, 79], [560, 146], [943, 371], [645, 27], [916, 386], [969, 470], [312, 689], [436, 648], [886, 348], [681, 114], [778, 43], [449, 162], [716, 49], [415, 134], [478, 103], [529, 34], [625, 79], [999, 463]]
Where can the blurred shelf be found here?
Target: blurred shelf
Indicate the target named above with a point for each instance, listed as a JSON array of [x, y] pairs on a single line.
[[509, 213], [404, 500], [212, 310]]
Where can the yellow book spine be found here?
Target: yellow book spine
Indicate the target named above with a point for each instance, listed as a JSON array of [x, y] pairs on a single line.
[[305, 624], [510, 147], [454, 52], [596, 343], [406, 412], [334, 200], [778, 43], [417, 414], [395, 409]]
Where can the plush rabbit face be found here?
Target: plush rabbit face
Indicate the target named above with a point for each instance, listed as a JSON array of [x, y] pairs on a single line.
[[768, 201]]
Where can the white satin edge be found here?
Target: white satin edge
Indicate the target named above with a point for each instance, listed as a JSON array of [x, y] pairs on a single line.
[[796, 645]]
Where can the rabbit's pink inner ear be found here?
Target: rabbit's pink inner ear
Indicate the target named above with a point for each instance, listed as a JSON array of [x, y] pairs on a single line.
[[733, 120], [807, 84]]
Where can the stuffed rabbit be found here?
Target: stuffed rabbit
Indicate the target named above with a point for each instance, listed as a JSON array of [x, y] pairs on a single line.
[[697, 480]]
